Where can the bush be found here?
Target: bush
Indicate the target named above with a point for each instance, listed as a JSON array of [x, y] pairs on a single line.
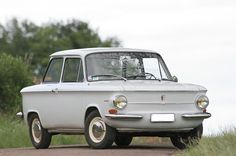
[[14, 75]]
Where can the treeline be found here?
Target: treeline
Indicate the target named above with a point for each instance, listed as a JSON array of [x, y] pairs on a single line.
[[25, 48], [34, 43]]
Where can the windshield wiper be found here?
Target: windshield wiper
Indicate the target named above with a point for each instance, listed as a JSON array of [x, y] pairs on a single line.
[[135, 76], [109, 75], [147, 76], [164, 79]]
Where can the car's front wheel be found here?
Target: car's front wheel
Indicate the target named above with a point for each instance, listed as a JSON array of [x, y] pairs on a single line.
[[39, 136], [190, 138], [97, 133]]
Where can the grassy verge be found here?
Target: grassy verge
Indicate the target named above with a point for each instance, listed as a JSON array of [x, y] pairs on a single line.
[[223, 144], [14, 133]]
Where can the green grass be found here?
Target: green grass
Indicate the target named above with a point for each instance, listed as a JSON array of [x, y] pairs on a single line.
[[14, 133], [221, 145]]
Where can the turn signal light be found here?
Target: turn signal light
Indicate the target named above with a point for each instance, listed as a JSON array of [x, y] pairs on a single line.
[[112, 111]]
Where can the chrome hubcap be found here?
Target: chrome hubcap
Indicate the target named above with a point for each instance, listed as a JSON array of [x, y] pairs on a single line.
[[97, 129], [36, 130]]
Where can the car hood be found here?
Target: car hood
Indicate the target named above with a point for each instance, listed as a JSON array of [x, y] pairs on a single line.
[[130, 85], [147, 85]]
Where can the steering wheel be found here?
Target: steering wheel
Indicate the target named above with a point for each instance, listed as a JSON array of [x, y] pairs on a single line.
[[150, 76]]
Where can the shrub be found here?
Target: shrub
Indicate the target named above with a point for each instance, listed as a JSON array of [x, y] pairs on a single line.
[[14, 75]]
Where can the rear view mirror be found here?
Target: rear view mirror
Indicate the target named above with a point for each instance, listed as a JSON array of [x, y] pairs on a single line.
[[174, 78]]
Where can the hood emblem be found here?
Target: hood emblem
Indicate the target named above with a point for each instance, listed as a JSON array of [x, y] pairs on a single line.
[[163, 98]]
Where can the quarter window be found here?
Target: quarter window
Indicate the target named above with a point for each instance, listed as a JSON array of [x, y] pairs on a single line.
[[163, 72], [73, 71], [53, 73]]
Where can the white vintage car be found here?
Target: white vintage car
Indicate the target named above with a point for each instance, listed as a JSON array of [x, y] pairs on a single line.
[[112, 95]]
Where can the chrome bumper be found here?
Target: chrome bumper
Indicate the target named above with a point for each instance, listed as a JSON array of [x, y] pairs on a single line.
[[123, 116], [136, 117], [196, 115]]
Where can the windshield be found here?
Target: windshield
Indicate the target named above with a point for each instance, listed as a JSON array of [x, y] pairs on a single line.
[[126, 66]]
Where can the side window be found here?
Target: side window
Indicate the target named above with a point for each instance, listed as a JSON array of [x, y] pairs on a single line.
[[73, 71], [53, 72]]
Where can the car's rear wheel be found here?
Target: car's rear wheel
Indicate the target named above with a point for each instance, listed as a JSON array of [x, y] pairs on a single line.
[[123, 139], [190, 138], [97, 133], [39, 136]]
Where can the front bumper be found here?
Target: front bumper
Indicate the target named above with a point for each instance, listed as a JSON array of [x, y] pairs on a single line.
[[143, 121], [124, 116], [197, 115], [137, 117]]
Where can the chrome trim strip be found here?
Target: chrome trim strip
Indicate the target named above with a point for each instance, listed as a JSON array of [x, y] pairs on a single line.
[[197, 115], [156, 102], [123, 116], [66, 131]]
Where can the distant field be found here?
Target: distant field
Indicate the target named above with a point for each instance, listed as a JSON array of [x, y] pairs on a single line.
[[221, 145]]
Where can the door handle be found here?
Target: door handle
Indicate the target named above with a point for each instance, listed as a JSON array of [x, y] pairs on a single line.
[[55, 90]]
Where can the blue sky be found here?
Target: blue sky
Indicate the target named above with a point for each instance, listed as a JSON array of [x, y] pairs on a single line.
[[197, 38]]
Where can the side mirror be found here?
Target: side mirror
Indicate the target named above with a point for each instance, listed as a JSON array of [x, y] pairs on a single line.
[[174, 78]]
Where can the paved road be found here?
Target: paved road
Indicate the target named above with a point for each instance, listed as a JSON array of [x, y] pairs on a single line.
[[84, 150]]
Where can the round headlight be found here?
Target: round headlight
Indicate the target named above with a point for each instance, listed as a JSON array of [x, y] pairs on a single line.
[[202, 101], [120, 102]]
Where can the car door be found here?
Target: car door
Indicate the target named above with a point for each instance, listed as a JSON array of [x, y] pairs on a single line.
[[49, 94], [70, 94]]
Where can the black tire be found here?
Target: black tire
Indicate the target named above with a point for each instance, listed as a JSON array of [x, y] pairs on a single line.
[[40, 138], [185, 140], [106, 137], [123, 139]]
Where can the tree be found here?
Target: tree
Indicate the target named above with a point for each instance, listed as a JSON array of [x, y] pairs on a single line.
[[14, 75], [35, 43]]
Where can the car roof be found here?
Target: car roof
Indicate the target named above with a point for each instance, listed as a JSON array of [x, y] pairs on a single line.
[[86, 51]]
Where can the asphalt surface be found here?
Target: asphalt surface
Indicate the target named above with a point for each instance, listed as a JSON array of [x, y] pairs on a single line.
[[84, 150]]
